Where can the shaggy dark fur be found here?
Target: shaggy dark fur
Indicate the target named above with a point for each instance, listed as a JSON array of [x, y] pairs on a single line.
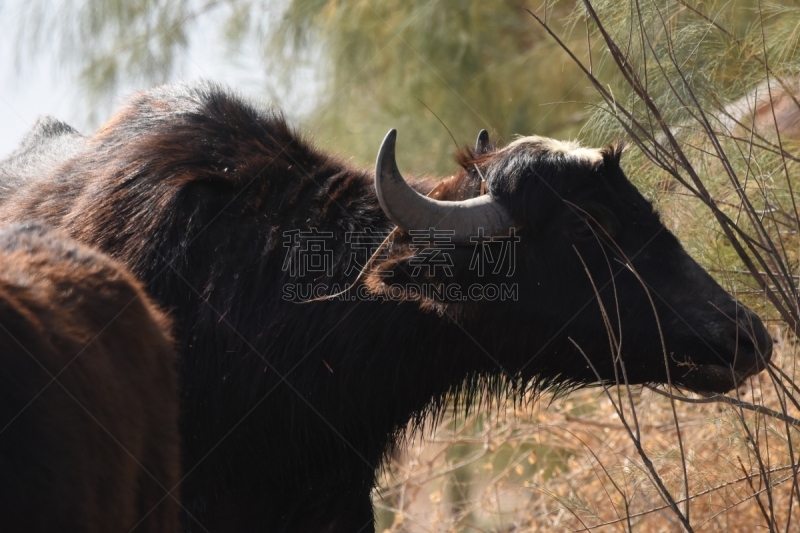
[[288, 408], [88, 392]]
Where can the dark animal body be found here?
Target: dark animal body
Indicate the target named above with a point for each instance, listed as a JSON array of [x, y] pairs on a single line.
[[288, 407], [89, 438]]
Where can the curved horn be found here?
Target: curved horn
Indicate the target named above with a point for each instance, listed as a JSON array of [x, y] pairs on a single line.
[[482, 145], [410, 210]]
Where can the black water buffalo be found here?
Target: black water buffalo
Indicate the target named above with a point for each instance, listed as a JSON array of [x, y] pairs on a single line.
[[303, 360], [89, 437]]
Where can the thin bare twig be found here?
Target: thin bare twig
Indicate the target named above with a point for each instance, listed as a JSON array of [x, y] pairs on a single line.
[[721, 398]]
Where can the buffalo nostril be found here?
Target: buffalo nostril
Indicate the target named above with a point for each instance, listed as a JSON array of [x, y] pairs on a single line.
[[754, 329], [754, 346], [740, 341], [746, 356]]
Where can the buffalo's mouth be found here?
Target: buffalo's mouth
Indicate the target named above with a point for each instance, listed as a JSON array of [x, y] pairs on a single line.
[[721, 378], [713, 379], [722, 362]]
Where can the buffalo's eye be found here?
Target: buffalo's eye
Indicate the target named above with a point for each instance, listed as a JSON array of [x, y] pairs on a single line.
[[582, 230], [595, 222]]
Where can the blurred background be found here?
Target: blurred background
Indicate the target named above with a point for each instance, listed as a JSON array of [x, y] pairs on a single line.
[[723, 76], [344, 71]]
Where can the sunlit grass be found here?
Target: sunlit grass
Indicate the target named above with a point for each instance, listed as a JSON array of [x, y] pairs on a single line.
[[570, 465]]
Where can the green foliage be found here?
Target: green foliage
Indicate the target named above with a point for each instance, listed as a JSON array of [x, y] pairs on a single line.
[[110, 41], [711, 56], [700, 72], [395, 64]]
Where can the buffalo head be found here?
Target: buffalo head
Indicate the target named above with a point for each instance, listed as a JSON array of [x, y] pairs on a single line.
[[605, 290]]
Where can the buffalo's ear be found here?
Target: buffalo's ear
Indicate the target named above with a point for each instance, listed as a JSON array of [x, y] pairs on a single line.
[[612, 152], [482, 145]]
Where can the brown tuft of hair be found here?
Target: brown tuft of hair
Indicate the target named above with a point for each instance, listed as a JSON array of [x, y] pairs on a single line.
[[467, 159], [612, 152]]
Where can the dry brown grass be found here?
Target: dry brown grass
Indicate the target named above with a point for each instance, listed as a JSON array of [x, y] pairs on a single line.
[[569, 465]]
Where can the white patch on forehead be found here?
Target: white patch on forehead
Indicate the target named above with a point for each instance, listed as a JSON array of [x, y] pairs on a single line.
[[570, 149]]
